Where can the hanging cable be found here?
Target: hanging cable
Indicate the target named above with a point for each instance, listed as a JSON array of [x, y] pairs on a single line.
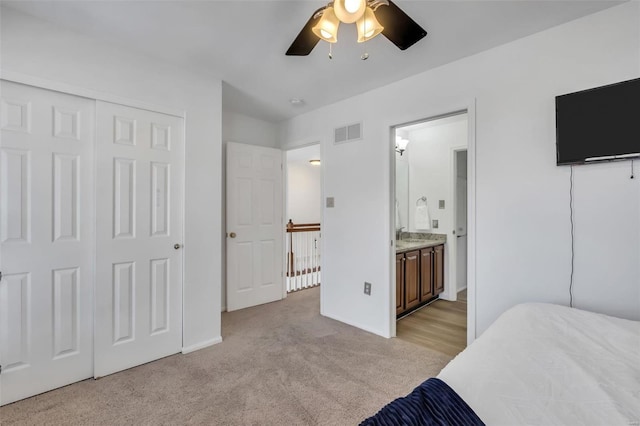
[[631, 170], [572, 237]]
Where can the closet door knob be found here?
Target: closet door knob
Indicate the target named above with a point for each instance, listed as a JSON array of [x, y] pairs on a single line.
[[232, 235], [177, 246]]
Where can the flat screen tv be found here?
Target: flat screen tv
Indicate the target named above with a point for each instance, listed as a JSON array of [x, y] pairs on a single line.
[[599, 124]]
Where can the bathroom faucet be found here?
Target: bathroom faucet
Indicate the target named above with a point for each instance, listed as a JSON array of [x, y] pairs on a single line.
[[399, 233]]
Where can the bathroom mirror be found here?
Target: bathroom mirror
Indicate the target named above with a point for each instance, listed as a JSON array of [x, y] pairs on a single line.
[[402, 192]]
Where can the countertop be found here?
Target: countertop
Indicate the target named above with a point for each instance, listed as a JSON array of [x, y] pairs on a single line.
[[415, 244]]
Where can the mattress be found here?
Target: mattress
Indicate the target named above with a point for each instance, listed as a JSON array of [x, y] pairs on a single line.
[[542, 364]]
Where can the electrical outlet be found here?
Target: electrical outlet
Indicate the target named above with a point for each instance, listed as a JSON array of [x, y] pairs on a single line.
[[441, 204], [330, 202], [367, 288], [435, 223]]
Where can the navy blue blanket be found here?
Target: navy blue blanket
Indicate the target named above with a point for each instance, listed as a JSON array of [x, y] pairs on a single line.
[[431, 403]]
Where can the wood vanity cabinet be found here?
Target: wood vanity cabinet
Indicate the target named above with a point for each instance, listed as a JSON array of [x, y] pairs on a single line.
[[426, 274], [438, 269], [411, 279], [399, 283], [419, 277]]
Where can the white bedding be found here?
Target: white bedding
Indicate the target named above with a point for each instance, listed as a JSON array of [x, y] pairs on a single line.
[[541, 364]]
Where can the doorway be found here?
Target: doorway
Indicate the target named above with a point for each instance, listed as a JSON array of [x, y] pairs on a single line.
[[430, 258], [303, 212]]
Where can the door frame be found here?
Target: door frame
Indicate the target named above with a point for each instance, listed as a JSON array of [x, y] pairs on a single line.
[[451, 292], [71, 89], [468, 106]]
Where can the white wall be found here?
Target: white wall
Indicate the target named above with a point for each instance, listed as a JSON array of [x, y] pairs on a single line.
[[522, 238], [244, 129], [430, 169], [39, 49], [304, 188]]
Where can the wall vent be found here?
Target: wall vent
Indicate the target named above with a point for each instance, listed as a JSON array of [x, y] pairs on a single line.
[[348, 133]]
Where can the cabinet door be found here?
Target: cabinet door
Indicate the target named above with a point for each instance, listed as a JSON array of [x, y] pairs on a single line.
[[426, 274], [412, 279], [438, 269], [399, 283]]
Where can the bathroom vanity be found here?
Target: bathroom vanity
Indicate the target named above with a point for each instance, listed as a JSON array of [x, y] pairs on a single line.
[[419, 272]]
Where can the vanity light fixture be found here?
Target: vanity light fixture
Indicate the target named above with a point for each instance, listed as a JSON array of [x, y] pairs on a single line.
[[401, 144], [314, 162]]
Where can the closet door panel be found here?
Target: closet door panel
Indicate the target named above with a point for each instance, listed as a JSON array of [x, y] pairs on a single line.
[[139, 237], [46, 239]]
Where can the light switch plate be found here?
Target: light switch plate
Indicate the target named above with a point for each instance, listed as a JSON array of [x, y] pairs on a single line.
[[367, 288], [330, 202], [441, 204], [435, 223]]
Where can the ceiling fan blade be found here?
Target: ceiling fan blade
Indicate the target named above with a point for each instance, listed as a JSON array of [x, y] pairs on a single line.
[[306, 40], [399, 28]]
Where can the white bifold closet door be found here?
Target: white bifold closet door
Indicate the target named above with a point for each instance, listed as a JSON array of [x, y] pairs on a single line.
[[46, 240], [139, 237]]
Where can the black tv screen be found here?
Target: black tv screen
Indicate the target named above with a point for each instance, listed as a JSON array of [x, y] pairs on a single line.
[[599, 124]]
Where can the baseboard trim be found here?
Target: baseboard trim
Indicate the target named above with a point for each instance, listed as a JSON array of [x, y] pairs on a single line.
[[202, 345], [356, 325]]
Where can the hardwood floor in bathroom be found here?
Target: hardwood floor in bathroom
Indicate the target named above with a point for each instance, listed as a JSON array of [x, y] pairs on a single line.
[[441, 326]]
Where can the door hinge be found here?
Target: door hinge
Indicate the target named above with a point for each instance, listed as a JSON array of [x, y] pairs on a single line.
[[0, 275], [0, 369]]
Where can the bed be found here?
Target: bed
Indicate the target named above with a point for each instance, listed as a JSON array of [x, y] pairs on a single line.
[[538, 364]]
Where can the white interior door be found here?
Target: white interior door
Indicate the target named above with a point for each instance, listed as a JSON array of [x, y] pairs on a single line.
[[461, 206], [46, 240], [461, 220], [255, 228], [139, 237]]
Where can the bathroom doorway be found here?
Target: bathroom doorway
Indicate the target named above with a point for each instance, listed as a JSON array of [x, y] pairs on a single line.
[[431, 231]]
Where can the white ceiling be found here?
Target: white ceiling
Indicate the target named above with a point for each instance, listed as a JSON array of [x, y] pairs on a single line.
[[243, 42]]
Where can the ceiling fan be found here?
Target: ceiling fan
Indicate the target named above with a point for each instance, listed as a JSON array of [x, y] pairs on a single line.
[[372, 17]]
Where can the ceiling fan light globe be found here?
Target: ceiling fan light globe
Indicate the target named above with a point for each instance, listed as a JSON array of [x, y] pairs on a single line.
[[352, 6], [349, 11], [368, 26], [327, 26]]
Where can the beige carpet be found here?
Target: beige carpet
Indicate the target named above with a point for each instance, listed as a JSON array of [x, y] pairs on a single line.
[[279, 364]]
